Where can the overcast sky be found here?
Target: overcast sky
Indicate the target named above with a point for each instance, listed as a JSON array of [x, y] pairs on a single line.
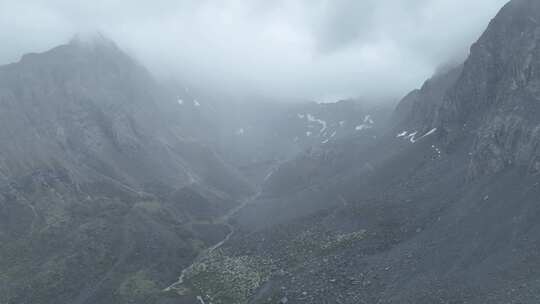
[[316, 49]]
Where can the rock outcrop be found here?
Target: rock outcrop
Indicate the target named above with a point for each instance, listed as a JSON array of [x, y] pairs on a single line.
[[496, 99]]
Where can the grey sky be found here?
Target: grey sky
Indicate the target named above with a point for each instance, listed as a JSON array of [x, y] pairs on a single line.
[[319, 49]]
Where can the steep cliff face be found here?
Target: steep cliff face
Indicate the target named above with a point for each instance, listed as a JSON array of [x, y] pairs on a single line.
[[416, 111], [493, 100], [496, 99]]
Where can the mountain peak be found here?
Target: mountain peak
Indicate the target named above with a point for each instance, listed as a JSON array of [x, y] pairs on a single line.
[[93, 39], [89, 48], [493, 99], [502, 59], [496, 99]]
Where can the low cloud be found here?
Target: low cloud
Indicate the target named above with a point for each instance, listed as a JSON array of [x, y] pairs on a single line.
[[307, 49]]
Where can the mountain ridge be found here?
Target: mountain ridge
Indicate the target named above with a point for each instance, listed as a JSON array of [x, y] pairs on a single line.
[[444, 213], [110, 191]]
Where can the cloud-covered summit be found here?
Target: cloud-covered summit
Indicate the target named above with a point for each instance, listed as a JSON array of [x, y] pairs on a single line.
[[320, 49]]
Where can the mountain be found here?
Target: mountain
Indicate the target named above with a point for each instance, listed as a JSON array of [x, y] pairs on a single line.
[[89, 103], [116, 189], [496, 97], [415, 112], [260, 136], [256, 134], [441, 208], [112, 183], [103, 195]]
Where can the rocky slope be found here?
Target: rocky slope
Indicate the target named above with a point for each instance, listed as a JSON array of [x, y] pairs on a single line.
[[106, 196], [103, 196], [441, 209], [257, 135], [497, 95], [416, 111], [111, 184]]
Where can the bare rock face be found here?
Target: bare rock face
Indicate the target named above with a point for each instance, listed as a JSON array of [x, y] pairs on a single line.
[[502, 69], [494, 100], [417, 109], [507, 140], [497, 97]]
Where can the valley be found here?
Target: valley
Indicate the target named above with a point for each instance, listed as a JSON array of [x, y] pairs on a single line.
[[116, 187]]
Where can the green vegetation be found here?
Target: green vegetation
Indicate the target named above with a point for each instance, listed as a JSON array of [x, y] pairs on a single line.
[[225, 279], [138, 285]]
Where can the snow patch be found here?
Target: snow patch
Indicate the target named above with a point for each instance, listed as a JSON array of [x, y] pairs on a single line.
[[180, 102], [240, 131], [342, 123], [333, 134], [363, 127], [411, 137], [269, 175], [430, 132], [368, 124], [325, 141], [368, 119], [323, 124], [312, 118], [196, 103], [308, 133]]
